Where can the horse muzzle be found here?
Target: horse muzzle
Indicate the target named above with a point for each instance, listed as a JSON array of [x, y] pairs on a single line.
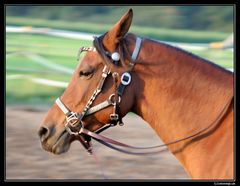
[[57, 143]]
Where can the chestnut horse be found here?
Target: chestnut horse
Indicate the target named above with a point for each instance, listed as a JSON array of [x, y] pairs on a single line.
[[176, 92]]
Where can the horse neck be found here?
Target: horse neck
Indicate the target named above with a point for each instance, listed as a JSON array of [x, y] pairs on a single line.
[[178, 94]]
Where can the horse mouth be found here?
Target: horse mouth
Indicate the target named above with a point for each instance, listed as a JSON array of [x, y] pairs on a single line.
[[62, 144]]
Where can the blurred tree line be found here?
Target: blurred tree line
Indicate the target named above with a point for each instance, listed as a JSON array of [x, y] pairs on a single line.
[[214, 18]]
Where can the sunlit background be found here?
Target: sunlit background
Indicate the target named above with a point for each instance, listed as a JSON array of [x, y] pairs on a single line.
[[36, 46]]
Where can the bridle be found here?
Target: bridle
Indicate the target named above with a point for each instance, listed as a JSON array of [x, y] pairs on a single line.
[[74, 121], [74, 124]]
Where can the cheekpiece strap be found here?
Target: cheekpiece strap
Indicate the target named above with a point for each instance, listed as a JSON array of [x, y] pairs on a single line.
[[126, 77]]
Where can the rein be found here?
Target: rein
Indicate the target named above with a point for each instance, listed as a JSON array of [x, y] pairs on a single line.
[[74, 124]]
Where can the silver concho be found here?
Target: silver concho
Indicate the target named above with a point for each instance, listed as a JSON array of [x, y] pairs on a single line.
[[115, 56]]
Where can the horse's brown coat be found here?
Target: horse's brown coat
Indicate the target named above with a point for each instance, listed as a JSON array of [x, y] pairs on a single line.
[[176, 92]]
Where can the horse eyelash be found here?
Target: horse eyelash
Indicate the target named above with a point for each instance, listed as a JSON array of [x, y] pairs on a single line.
[[85, 73]]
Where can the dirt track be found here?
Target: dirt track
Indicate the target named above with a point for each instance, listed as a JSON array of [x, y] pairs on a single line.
[[25, 158]]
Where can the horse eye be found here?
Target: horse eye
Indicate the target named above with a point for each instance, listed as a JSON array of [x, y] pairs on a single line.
[[86, 73]]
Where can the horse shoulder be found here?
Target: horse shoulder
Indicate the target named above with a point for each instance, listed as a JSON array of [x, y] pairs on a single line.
[[213, 159]]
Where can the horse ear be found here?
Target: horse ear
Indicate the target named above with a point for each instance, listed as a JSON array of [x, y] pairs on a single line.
[[118, 31]]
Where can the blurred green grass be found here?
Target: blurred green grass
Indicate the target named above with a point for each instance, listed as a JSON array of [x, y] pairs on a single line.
[[175, 35], [61, 51], [45, 45]]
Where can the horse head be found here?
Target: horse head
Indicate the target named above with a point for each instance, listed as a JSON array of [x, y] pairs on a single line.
[[94, 96]]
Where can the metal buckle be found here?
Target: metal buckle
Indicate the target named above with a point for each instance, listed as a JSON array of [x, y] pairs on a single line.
[[70, 131], [114, 117], [126, 78], [73, 121], [120, 123], [111, 99]]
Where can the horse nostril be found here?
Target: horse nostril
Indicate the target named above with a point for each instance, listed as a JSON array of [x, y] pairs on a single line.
[[43, 133]]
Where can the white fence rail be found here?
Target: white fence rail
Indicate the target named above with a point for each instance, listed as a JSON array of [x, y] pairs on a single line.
[[89, 36]]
